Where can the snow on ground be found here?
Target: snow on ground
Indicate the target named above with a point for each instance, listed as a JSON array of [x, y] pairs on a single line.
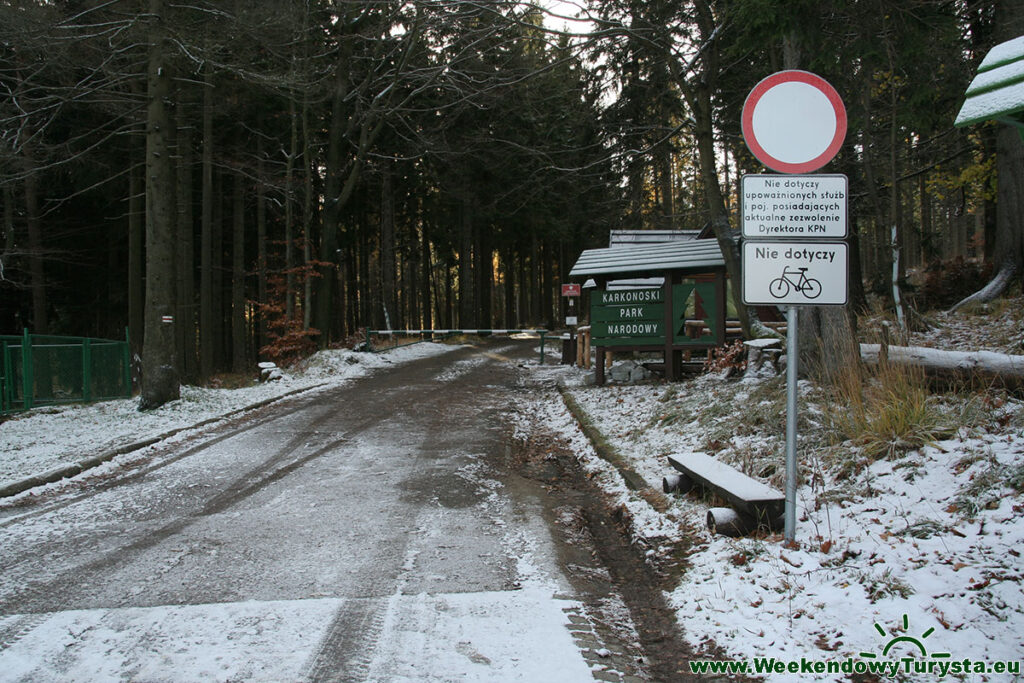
[[49, 437], [525, 634], [914, 554], [924, 545]]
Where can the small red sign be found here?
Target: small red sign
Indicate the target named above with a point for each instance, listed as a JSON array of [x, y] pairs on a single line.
[[571, 290]]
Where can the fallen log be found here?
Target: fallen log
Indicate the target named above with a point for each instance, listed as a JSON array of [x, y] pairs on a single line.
[[987, 367]]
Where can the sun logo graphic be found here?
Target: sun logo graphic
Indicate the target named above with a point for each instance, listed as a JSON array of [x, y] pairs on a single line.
[[898, 637]]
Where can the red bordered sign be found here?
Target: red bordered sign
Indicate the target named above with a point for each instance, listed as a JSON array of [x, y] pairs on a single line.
[[794, 122]]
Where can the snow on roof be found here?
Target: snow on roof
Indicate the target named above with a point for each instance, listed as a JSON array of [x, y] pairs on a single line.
[[694, 255], [997, 92], [622, 238], [1010, 51]]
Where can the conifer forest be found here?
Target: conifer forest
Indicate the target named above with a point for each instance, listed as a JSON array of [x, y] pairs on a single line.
[[277, 175]]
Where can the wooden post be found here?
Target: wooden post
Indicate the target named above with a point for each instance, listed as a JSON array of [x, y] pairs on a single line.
[[126, 360], [86, 369], [27, 371], [720, 307], [5, 385], [883, 350], [599, 370], [669, 322]]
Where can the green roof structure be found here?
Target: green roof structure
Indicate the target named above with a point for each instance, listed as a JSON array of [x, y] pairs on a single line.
[[997, 91]]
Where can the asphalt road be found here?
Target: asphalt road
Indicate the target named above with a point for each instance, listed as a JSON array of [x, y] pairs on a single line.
[[374, 532]]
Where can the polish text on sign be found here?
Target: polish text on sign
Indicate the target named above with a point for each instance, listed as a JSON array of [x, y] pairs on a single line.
[[795, 273], [794, 206]]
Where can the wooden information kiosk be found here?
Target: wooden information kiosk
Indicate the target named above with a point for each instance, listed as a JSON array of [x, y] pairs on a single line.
[[673, 301]]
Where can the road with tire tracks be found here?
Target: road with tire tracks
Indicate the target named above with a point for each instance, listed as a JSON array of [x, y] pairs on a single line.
[[371, 532]]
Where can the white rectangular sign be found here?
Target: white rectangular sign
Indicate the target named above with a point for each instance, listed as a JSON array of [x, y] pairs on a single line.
[[787, 273], [798, 206]]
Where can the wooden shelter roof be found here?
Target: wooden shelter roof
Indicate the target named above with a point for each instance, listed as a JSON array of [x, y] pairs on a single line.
[[690, 256], [997, 92]]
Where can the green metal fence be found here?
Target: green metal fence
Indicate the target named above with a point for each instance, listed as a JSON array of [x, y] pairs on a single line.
[[38, 369]]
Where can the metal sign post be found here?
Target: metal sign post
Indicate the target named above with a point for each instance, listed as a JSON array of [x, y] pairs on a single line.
[[794, 122], [792, 362]]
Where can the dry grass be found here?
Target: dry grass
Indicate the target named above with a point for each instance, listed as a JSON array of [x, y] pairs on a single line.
[[885, 410]]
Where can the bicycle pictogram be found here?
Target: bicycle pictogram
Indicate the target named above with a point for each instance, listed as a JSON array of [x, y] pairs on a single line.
[[808, 286]]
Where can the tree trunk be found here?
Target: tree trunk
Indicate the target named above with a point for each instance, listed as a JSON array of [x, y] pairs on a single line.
[[466, 308], [981, 367], [308, 215], [425, 268], [508, 266], [136, 239], [352, 288], [485, 277], [220, 307], [897, 240], [333, 199], [185, 319], [531, 289], [289, 215], [925, 245], [37, 276], [207, 339], [387, 246], [239, 362], [8, 236], [159, 374], [261, 251]]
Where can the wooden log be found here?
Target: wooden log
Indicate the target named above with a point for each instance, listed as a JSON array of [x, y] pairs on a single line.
[[999, 368], [676, 483], [727, 522]]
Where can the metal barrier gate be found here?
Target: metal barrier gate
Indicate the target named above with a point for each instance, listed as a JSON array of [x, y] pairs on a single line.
[[429, 334]]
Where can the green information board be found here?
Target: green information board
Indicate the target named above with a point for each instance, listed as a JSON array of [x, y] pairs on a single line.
[[628, 312], [636, 317], [628, 317], [618, 297]]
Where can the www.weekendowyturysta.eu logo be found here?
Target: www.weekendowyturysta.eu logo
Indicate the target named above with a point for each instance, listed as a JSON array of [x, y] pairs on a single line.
[[911, 643], [901, 653]]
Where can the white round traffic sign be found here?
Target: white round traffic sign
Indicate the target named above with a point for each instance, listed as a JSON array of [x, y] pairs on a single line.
[[794, 122]]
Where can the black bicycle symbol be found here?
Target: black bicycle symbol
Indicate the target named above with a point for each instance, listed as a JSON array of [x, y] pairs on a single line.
[[808, 286]]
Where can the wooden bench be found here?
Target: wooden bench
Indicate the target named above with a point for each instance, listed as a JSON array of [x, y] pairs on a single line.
[[754, 505]]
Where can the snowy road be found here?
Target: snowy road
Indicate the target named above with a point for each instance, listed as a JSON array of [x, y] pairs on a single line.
[[371, 533]]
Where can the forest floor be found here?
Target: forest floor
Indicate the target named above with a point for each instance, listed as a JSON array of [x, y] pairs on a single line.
[[909, 518]]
